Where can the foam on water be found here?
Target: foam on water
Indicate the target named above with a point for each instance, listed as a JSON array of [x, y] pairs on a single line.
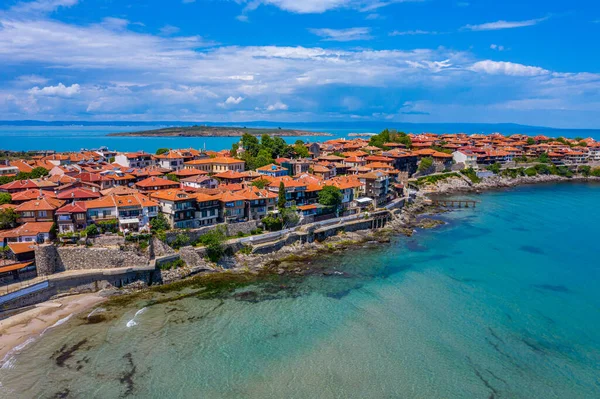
[[132, 322]]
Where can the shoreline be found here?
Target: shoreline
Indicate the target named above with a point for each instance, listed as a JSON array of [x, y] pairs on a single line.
[[21, 329]]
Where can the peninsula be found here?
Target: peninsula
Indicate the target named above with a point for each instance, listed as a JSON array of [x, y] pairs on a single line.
[[218, 131]]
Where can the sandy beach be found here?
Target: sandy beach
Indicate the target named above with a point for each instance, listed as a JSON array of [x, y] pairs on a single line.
[[18, 331]]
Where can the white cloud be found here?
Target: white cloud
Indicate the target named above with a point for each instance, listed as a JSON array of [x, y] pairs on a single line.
[[433, 66], [321, 6], [412, 32], [124, 74], [497, 47], [60, 90], [278, 106], [242, 18], [507, 68], [41, 6], [231, 101], [234, 100], [168, 30], [115, 23], [504, 24], [343, 35]]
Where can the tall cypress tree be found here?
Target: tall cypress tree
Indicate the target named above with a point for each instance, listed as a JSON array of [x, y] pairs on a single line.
[[281, 199]]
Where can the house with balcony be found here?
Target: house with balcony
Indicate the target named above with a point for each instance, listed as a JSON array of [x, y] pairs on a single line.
[[172, 160], [294, 190], [135, 160], [258, 202], [178, 207], [217, 164], [72, 217], [38, 232], [41, 209], [208, 208], [135, 211], [233, 207], [102, 209], [272, 170], [375, 185], [349, 186], [199, 181], [465, 157], [296, 166]]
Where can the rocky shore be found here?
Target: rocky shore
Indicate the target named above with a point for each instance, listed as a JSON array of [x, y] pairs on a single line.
[[455, 185]]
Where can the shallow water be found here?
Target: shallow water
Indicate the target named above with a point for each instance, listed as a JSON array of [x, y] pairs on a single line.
[[502, 302]]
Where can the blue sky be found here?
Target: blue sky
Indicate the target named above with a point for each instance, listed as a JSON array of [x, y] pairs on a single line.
[[531, 62]]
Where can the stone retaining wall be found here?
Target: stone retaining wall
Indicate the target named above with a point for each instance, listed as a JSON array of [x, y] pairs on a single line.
[[51, 259]]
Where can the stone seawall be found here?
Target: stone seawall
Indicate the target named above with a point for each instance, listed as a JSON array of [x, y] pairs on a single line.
[[51, 259], [88, 282]]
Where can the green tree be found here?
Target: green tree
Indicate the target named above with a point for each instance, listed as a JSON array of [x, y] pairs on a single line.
[[213, 241], [5, 198], [260, 183], [425, 164], [92, 230], [530, 141], [181, 240], [159, 223], [544, 158], [301, 151], [585, 170], [331, 196], [8, 218], [281, 196], [495, 168], [234, 149], [38, 172], [263, 158], [172, 177], [250, 144], [161, 151]]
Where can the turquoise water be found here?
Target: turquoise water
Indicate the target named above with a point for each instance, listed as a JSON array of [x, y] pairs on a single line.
[[75, 138], [502, 302]]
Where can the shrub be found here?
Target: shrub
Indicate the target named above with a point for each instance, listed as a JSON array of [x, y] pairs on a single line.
[[435, 178], [176, 264], [273, 223], [213, 242], [472, 175], [495, 168], [256, 231], [595, 172], [159, 223], [585, 170], [5, 198], [181, 240], [425, 164], [246, 250], [530, 172], [92, 230]]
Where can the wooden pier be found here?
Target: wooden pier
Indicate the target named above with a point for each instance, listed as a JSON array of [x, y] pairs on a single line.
[[455, 203]]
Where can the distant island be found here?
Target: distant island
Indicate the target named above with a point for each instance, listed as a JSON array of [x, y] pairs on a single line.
[[217, 131]]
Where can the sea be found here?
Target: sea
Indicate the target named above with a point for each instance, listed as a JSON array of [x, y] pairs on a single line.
[[69, 137], [503, 301]]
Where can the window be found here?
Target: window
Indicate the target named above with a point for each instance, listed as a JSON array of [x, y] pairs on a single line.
[[28, 214], [80, 216], [42, 214]]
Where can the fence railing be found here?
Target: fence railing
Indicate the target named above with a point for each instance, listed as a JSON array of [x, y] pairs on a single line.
[[14, 286]]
